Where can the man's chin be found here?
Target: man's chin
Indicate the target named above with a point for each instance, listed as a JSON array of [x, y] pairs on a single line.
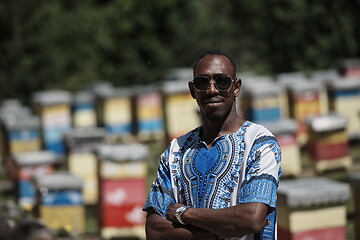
[[214, 116]]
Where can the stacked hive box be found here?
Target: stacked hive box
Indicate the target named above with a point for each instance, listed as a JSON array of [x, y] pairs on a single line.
[[355, 184], [328, 145], [81, 159], [113, 106], [285, 132], [263, 102], [181, 110], [147, 107], [323, 76], [83, 110], [9, 109], [312, 209], [53, 107], [59, 201], [13, 107], [306, 99], [26, 166], [21, 133], [344, 96], [122, 173]]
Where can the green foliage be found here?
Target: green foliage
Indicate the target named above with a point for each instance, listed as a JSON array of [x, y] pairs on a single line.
[[69, 44], [310, 34]]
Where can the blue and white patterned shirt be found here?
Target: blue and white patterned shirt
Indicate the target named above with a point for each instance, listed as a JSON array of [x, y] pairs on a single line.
[[240, 167]]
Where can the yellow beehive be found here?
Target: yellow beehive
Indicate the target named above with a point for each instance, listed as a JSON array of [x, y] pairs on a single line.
[[81, 159], [181, 110], [83, 109], [285, 131], [148, 111], [56, 217], [122, 161], [53, 107], [345, 100], [59, 201]]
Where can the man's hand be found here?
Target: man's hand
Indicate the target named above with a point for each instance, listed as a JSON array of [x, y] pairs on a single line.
[[234, 221], [159, 228], [170, 213]]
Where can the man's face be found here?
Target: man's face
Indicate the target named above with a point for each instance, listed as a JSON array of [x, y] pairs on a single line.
[[215, 104]]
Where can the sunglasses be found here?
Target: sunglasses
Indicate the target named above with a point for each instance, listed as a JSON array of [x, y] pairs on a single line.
[[222, 82]]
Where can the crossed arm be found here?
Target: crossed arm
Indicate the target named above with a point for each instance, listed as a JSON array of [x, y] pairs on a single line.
[[203, 223]]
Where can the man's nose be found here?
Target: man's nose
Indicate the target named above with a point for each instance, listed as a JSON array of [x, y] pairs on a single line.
[[212, 86]]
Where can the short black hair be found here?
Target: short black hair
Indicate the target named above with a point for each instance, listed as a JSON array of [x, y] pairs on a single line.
[[214, 52]]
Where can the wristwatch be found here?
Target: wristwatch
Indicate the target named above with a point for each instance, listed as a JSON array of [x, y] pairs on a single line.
[[179, 212]]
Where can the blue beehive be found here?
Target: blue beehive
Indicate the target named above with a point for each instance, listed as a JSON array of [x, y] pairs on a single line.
[[263, 102], [53, 107], [25, 166], [60, 202]]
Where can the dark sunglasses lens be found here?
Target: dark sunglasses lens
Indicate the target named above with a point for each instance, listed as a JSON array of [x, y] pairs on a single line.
[[223, 82], [201, 83]]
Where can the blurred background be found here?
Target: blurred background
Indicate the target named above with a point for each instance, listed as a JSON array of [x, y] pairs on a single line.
[[91, 92]]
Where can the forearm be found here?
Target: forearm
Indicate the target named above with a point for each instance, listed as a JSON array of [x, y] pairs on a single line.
[[159, 228], [236, 221]]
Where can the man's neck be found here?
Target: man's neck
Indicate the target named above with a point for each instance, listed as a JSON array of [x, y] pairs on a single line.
[[213, 129]]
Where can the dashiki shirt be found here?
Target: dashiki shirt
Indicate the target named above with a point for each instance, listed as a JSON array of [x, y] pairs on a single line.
[[240, 167]]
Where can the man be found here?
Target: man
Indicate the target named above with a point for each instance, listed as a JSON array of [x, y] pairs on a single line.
[[219, 180]]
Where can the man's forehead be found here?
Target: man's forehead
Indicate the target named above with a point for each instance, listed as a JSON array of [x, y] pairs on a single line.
[[215, 64]]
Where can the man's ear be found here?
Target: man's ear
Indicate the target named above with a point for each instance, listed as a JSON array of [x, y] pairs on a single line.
[[192, 90], [237, 84]]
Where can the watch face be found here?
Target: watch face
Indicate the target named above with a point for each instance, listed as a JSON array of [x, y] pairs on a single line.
[[180, 209]]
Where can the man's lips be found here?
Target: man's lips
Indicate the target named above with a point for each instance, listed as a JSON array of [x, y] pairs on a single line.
[[214, 100]]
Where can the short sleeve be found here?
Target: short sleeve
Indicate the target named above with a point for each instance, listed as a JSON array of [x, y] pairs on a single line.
[[262, 171], [161, 195]]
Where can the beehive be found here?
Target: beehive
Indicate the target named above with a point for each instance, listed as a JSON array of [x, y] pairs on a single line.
[[344, 96], [54, 109], [27, 165], [81, 159], [285, 131], [59, 201], [83, 110], [122, 175], [148, 112], [312, 209], [328, 145], [180, 109]]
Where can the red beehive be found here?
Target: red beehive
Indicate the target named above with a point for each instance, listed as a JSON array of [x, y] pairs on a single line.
[[122, 202], [328, 146], [122, 189]]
